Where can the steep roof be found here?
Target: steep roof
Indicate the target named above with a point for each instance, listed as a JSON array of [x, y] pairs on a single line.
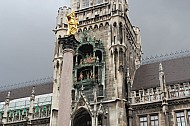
[[44, 88], [176, 71]]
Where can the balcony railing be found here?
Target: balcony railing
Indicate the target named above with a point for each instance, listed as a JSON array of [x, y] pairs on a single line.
[[19, 109], [174, 91]]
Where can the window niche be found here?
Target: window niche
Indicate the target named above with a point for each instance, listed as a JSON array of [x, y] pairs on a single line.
[[121, 33], [152, 119], [88, 63], [85, 58], [180, 119]]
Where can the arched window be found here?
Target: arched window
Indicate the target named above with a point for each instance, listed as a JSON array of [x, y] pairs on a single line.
[[116, 62]]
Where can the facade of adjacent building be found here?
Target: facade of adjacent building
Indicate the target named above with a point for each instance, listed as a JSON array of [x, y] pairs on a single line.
[[111, 84]]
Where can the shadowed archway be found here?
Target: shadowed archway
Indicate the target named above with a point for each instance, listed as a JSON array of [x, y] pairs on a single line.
[[82, 118]]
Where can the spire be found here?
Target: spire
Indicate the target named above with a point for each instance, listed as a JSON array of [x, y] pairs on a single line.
[[161, 77], [8, 98], [33, 90], [31, 108], [33, 94], [8, 95], [160, 67], [163, 89]]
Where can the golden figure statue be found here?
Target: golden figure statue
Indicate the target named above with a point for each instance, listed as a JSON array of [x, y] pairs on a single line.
[[72, 23]]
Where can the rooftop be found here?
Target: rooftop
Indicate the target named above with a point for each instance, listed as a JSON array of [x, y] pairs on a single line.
[[177, 70]]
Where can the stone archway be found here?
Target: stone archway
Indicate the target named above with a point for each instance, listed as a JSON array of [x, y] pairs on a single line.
[[82, 118]]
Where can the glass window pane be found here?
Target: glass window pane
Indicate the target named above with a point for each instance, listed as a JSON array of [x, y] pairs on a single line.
[[145, 124], [178, 124], [154, 120], [152, 123], [177, 114], [156, 123], [189, 113], [145, 118], [141, 119], [141, 124], [180, 118], [152, 117], [183, 124], [156, 117]]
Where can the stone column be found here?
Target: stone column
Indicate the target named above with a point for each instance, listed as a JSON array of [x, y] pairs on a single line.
[[65, 98]]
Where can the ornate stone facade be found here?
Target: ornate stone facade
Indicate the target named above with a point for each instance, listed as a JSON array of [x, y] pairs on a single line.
[[110, 85], [109, 46], [164, 97]]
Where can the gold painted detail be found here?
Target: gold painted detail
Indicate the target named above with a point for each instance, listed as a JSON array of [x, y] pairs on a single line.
[[72, 23]]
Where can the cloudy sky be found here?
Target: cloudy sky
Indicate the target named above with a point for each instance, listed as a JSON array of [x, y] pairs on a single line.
[[27, 40]]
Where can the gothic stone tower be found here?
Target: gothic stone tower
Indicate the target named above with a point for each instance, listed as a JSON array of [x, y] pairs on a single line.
[[104, 63]]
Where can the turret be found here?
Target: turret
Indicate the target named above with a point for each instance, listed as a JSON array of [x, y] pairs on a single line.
[[109, 44], [163, 88], [162, 80], [60, 31], [138, 37], [138, 58], [61, 28]]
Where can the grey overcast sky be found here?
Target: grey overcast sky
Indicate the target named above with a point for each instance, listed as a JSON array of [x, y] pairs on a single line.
[[27, 40]]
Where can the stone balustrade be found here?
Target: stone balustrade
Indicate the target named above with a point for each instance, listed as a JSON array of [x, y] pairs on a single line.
[[155, 94], [179, 90], [146, 95]]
